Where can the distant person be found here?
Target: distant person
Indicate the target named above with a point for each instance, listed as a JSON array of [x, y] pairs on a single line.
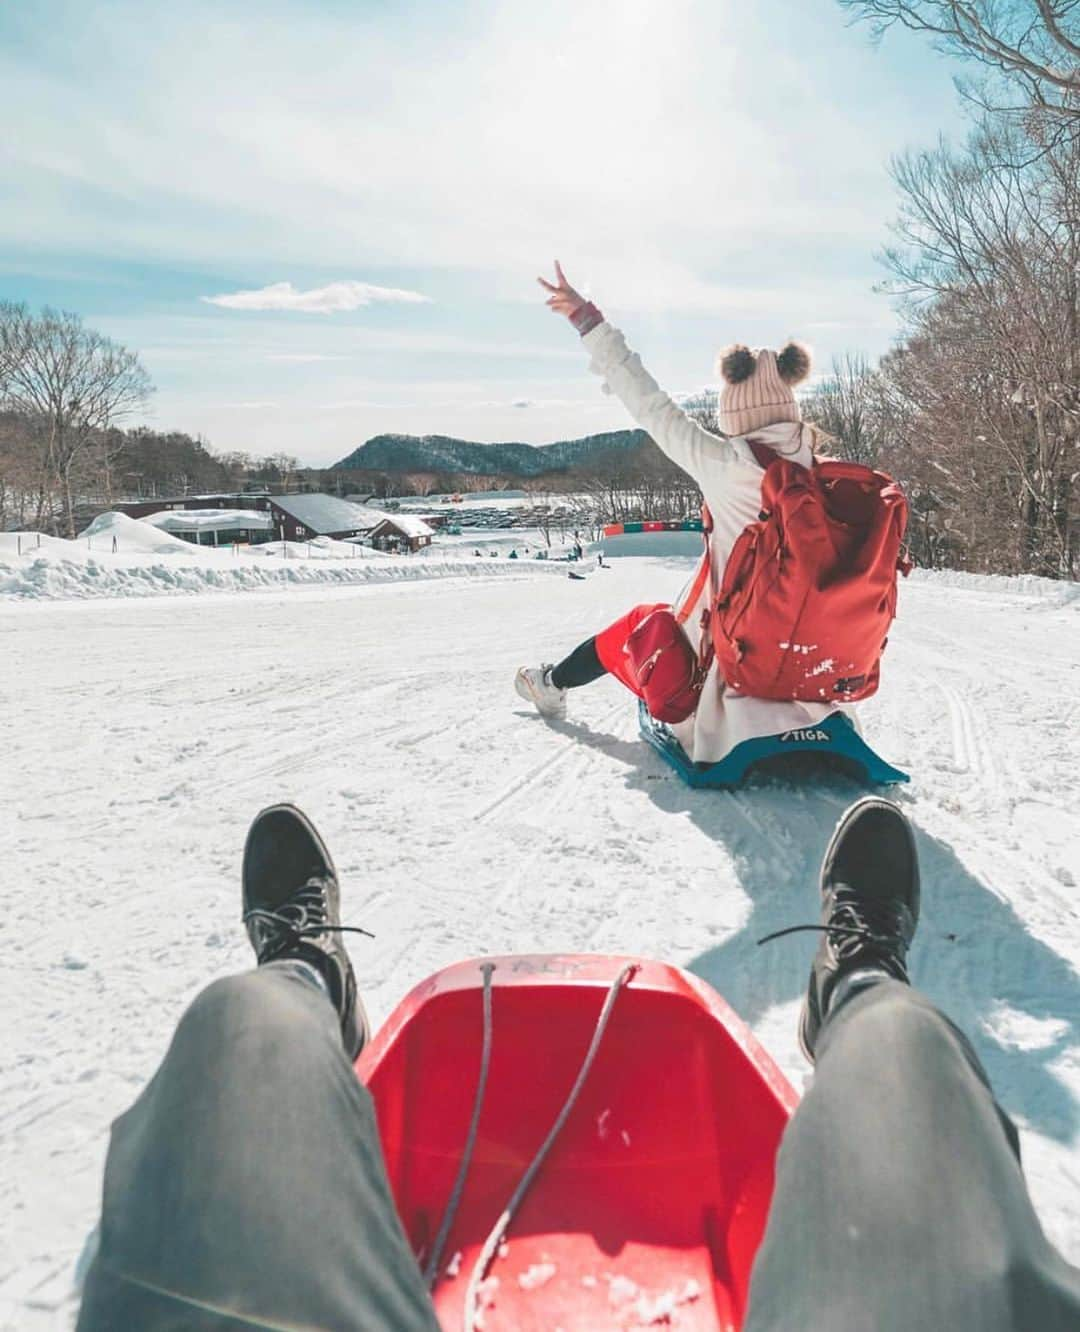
[[246, 1188], [757, 409]]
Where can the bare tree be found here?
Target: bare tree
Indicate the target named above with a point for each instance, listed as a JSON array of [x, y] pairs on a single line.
[[21, 498], [843, 406], [73, 381], [1033, 42], [989, 268]]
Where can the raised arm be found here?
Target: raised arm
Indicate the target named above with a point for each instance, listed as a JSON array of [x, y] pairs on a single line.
[[688, 444]]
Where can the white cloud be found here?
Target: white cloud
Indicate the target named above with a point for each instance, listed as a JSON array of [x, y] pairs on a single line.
[[334, 298]]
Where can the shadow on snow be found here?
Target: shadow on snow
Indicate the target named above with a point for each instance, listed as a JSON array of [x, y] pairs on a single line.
[[972, 954]]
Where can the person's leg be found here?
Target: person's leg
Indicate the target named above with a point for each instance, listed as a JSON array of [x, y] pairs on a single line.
[[246, 1188], [545, 686], [899, 1201], [580, 667]]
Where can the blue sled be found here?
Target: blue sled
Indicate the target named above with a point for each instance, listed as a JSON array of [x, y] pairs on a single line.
[[835, 742]]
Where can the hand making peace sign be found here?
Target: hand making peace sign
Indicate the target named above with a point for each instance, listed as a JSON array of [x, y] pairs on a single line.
[[564, 299]]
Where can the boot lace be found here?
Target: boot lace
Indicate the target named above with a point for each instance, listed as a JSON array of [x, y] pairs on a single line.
[[857, 926], [302, 916]]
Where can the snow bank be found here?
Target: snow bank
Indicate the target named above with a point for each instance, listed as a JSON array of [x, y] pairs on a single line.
[[48, 578], [1061, 593], [118, 556]]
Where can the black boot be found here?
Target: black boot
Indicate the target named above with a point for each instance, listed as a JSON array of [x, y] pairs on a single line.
[[869, 906], [292, 909]]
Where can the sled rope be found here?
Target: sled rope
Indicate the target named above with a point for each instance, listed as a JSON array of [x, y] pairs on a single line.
[[431, 1271], [495, 1238]]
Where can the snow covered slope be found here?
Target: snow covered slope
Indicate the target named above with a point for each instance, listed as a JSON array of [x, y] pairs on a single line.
[[142, 735]]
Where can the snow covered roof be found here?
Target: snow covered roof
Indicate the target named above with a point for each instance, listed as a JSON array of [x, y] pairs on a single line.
[[327, 513], [131, 535], [409, 525], [210, 520]]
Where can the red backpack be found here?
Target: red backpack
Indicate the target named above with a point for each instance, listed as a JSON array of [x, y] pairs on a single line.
[[809, 591]]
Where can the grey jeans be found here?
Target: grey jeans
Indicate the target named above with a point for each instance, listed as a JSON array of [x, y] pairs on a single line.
[[246, 1189], [900, 1205]]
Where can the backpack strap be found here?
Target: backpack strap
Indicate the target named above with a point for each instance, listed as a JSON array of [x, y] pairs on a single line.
[[704, 570], [705, 574], [763, 455]]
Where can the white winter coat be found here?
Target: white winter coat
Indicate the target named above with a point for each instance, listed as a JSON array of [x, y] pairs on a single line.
[[730, 479]]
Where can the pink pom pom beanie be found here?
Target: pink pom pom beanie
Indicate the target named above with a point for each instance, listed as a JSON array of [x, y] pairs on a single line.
[[758, 384]]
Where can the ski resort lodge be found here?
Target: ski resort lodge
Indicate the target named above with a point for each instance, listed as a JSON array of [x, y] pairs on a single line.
[[400, 533]]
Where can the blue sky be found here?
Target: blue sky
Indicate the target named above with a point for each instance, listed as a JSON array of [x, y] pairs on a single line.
[[399, 172]]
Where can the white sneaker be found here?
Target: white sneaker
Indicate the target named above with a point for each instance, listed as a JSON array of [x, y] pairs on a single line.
[[533, 684]]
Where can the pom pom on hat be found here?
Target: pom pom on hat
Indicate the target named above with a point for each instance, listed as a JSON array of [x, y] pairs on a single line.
[[736, 363], [793, 362]]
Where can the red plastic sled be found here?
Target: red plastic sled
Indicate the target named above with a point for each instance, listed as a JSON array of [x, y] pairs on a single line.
[[652, 1202]]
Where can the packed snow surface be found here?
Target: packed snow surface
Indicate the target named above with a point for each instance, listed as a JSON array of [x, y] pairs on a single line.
[[142, 735]]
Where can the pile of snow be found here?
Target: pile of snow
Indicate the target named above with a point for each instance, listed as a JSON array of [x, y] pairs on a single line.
[[51, 579], [210, 520], [117, 533], [118, 556]]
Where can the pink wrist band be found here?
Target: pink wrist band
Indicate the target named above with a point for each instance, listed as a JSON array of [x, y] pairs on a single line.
[[586, 318]]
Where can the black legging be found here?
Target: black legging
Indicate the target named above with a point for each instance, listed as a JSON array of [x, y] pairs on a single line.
[[581, 667]]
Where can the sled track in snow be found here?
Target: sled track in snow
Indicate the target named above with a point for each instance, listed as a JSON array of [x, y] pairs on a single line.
[[568, 747]]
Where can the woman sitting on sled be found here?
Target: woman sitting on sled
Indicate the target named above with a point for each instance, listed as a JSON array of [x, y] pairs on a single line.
[[761, 422]]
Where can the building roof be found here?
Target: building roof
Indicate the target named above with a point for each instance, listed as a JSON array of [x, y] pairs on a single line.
[[209, 520], [325, 514], [409, 525]]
